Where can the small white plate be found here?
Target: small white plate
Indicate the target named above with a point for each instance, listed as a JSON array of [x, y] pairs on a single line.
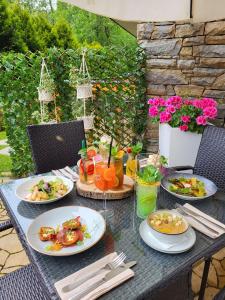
[[187, 242], [92, 219], [25, 188]]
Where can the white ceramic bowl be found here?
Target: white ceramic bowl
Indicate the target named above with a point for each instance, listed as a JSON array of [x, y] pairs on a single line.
[[166, 237], [91, 218], [25, 188]]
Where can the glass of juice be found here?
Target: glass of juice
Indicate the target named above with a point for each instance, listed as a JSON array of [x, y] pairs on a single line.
[[86, 170], [146, 197], [118, 164], [105, 179], [148, 178], [131, 165]]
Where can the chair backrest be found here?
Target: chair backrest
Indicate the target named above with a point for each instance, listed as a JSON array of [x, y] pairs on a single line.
[[55, 146], [210, 161]]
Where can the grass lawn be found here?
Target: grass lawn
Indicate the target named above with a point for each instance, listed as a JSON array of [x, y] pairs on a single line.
[[2, 135], [5, 163]]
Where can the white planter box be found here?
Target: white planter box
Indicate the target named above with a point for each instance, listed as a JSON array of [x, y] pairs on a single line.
[[84, 91], [45, 96], [178, 146], [88, 122]]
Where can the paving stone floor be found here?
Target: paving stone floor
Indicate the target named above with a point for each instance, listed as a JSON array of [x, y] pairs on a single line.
[[12, 257]]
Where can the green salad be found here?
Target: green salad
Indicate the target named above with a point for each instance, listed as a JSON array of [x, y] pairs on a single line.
[[44, 190], [187, 186]]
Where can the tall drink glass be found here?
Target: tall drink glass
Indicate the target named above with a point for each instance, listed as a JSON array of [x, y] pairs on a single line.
[[105, 179]]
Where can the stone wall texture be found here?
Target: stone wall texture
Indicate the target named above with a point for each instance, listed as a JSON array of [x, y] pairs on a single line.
[[183, 59]]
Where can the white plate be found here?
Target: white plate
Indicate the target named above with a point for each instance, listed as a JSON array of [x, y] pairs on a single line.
[[188, 241], [25, 188], [92, 219], [210, 186]]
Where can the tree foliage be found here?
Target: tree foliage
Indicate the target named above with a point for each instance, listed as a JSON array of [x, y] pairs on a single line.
[[36, 25], [22, 30]]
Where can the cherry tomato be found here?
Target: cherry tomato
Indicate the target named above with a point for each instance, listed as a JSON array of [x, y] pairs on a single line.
[[72, 224], [80, 235], [47, 234], [129, 150]]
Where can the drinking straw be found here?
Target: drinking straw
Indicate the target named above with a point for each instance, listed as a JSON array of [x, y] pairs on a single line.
[[110, 150], [83, 144]]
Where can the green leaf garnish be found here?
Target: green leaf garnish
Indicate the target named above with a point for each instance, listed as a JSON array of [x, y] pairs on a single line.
[[79, 243], [137, 148], [150, 174], [87, 235]]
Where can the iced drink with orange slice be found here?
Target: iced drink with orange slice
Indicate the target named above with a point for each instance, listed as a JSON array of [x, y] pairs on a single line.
[[86, 166], [105, 177]]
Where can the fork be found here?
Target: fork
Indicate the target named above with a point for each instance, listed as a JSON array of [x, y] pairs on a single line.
[[117, 261], [184, 213], [62, 172]]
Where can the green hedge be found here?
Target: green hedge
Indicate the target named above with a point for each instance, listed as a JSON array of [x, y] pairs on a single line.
[[109, 67]]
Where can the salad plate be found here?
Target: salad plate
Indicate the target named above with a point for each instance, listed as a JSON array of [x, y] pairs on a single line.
[[173, 247], [190, 187], [92, 220], [44, 189]]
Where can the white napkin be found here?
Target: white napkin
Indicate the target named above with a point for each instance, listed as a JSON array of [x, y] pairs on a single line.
[[203, 218], [100, 290]]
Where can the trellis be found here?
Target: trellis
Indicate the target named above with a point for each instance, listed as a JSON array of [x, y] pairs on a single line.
[[119, 103]]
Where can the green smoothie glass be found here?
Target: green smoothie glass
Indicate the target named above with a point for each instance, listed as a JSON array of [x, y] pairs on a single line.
[[147, 185]]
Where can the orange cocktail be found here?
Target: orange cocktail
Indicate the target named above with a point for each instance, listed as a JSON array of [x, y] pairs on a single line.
[[118, 164], [105, 177]]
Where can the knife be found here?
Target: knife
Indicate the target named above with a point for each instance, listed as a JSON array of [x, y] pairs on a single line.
[[196, 215], [75, 284], [107, 277]]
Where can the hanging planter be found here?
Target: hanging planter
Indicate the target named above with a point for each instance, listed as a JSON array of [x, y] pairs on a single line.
[[46, 94], [81, 80], [46, 89], [84, 91], [88, 122]]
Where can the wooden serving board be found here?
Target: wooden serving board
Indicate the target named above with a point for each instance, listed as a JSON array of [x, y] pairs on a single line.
[[91, 191]]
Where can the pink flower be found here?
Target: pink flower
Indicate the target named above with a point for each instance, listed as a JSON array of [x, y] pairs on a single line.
[[186, 119], [162, 102], [171, 109], [175, 100], [209, 102], [184, 127], [188, 102], [165, 117], [201, 120], [210, 112], [154, 101], [153, 111]]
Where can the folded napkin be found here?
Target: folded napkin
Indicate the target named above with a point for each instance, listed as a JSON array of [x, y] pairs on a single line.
[[98, 291], [207, 220]]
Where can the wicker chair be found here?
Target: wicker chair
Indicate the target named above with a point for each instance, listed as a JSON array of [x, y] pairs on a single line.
[[210, 161], [21, 284], [5, 225], [220, 295], [55, 146]]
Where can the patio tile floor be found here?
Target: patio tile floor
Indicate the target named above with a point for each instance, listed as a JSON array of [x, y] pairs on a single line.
[[13, 257]]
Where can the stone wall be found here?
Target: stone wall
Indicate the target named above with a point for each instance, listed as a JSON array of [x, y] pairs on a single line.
[[183, 59]]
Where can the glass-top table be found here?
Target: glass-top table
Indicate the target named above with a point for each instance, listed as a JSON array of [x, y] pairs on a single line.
[[153, 271]]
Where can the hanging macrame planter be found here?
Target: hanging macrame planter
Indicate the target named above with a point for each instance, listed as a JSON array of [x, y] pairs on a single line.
[[84, 86], [84, 91], [88, 120], [46, 94]]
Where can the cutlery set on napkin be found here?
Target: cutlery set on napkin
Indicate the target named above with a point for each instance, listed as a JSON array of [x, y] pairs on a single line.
[[67, 172], [96, 279], [201, 221]]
